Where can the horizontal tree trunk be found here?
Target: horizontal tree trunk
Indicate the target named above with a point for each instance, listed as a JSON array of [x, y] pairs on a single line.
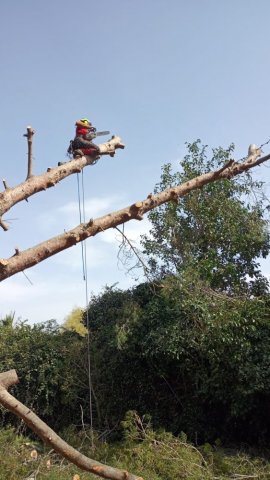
[[30, 257], [10, 378]]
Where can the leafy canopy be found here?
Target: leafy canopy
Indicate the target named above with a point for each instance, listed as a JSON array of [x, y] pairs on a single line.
[[218, 231]]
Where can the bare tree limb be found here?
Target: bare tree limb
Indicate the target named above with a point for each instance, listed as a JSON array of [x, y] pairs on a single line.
[[135, 252], [7, 379], [30, 257], [29, 134], [34, 184]]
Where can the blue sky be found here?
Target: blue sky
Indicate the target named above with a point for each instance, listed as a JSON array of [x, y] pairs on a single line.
[[156, 72]]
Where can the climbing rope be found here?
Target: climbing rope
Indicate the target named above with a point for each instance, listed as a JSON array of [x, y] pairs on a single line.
[[80, 218], [81, 206]]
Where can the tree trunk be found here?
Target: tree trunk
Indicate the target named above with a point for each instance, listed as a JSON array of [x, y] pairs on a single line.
[[22, 260]]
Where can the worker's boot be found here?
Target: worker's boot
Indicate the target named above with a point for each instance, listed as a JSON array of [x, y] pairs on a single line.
[[78, 154]]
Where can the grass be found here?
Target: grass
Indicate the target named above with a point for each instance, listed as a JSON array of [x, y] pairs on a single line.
[[152, 455]]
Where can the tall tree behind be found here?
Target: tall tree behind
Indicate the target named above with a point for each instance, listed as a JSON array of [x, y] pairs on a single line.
[[218, 231]]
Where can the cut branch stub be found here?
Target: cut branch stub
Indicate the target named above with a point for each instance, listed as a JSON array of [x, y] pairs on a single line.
[[32, 256], [3, 225], [29, 135], [7, 379], [38, 183], [108, 148], [5, 184], [136, 211]]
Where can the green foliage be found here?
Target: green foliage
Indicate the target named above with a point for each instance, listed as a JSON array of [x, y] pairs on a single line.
[[46, 361], [197, 360], [191, 348], [74, 322], [118, 370], [16, 462], [219, 230], [165, 456], [155, 455], [13, 452]]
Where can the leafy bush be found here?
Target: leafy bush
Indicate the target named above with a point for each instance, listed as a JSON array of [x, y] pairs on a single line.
[[46, 360], [197, 360]]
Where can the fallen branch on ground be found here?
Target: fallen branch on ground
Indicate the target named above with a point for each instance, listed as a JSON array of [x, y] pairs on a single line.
[[7, 379]]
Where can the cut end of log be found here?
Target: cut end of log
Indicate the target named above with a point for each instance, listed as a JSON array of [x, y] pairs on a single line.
[[138, 205], [3, 262], [9, 378]]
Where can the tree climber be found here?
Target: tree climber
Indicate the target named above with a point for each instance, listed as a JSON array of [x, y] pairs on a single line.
[[82, 143]]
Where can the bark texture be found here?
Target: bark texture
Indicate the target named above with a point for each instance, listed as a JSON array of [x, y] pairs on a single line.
[[37, 183], [30, 257], [10, 378]]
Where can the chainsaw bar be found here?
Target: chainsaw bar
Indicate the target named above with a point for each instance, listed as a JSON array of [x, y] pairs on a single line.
[[99, 134]]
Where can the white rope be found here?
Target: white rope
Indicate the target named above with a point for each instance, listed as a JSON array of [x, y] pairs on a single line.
[[85, 278]]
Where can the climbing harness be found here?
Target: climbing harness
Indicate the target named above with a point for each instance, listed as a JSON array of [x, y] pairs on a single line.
[[72, 149]]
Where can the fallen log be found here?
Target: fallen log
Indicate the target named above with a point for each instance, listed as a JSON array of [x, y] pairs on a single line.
[[9, 378]]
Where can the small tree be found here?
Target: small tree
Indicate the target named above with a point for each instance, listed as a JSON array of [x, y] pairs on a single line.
[[219, 231]]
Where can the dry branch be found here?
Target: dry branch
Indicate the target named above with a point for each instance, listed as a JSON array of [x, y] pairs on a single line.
[[30, 257], [7, 379], [34, 184], [29, 134]]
